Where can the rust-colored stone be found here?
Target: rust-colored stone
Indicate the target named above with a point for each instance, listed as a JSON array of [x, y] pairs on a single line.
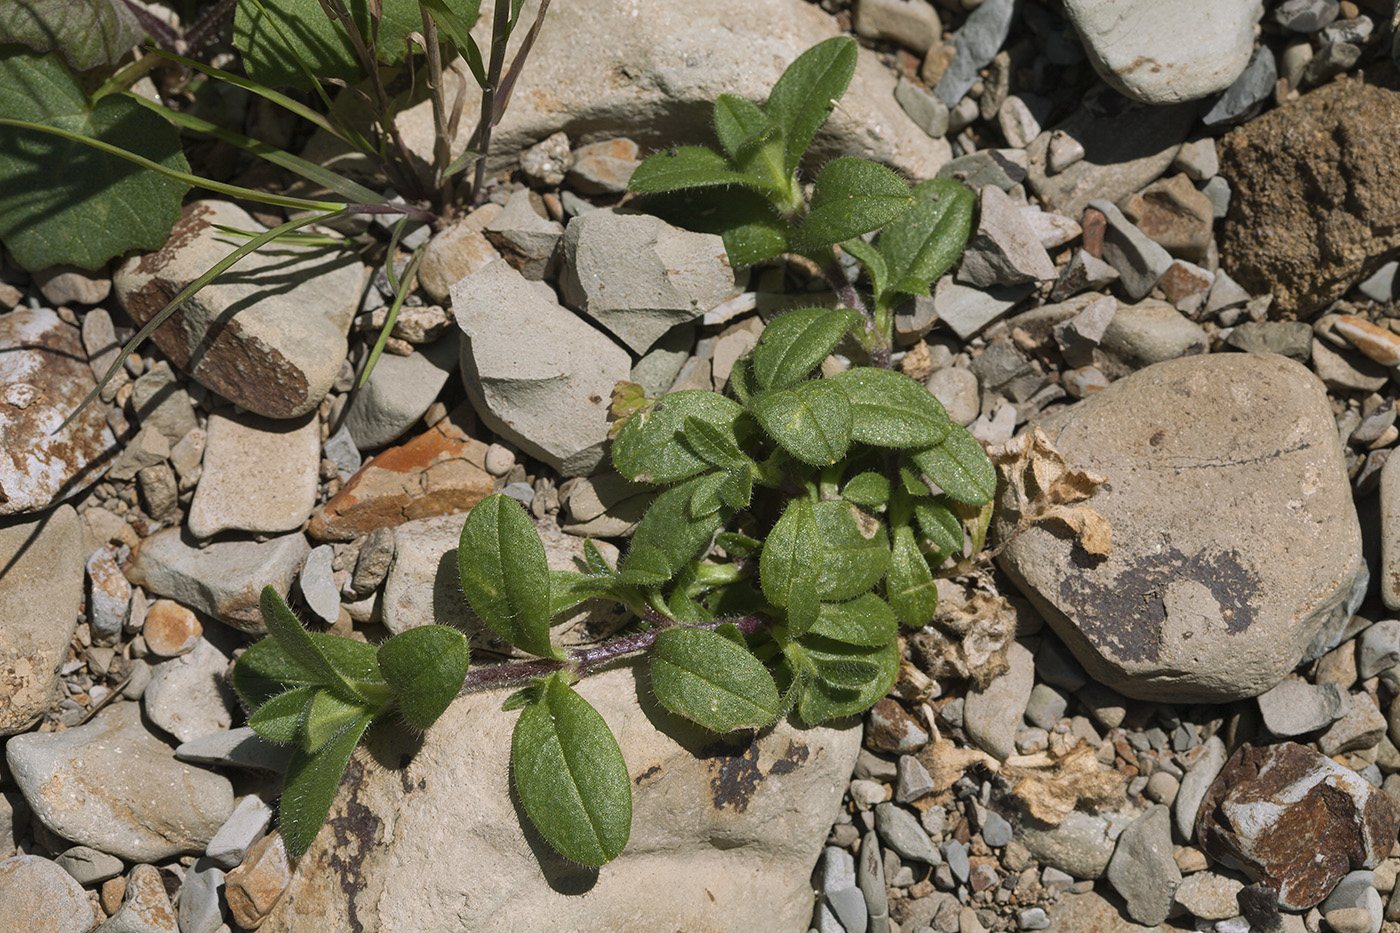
[[171, 629], [1296, 820], [255, 886], [1094, 225], [439, 472], [890, 729], [1174, 214]]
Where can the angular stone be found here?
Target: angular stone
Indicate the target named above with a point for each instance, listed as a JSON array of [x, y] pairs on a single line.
[[398, 392], [188, 697], [1142, 870], [147, 448], [967, 310], [109, 596], [1244, 99], [223, 579], [890, 729], [201, 898], [1199, 777], [604, 167], [269, 334], [44, 376], [89, 866], [1140, 261], [730, 836], [145, 906], [1080, 846], [36, 894], [457, 252], [162, 403], [114, 786], [1390, 533], [526, 237], [41, 592], [1004, 249], [638, 276], [1362, 727], [975, 43], [1315, 173], [1083, 272], [1295, 707], [990, 716], [1186, 286], [239, 748], [439, 472], [259, 475], [1004, 168], [1296, 819], [923, 107], [1164, 53], [245, 826], [537, 374], [1236, 553], [1209, 896], [1150, 332], [258, 883], [1175, 215]]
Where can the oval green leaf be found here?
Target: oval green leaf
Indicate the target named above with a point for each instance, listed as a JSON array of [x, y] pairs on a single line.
[[811, 421], [888, 409], [425, 666], [866, 620], [707, 678], [828, 549], [795, 343], [504, 574], [683, 167], [868, 489], [960, 467], [650, 447], [851, 197], [939, 523], [807, 92], [281, 717], [668, 537], [570, 775], [909, 584], [842, 680], [923, 243]]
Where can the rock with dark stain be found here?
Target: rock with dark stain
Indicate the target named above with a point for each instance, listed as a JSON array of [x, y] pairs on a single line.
[[1316, 202], [724, 833], [1236, 547], [267, 334], [44, 375], [1296, 820]]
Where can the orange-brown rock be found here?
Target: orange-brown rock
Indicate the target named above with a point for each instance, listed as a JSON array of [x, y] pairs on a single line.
[[439, 472], [254, 887], [171, 629]]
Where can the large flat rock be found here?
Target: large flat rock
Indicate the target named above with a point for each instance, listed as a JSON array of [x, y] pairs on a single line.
[[433, 843], [1236, 547]]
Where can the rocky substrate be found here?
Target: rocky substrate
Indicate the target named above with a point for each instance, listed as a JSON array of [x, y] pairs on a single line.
[[1182, 279]]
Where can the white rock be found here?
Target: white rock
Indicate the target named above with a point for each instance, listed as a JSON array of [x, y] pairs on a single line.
[[1167, 51], [317, 584], [545, 386], [1390, 533], [259, 475], [187, 696]]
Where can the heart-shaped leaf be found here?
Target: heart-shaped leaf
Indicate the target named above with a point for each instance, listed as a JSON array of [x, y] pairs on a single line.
[[87, 33], [504, 574], [812, 420], [570, 775], [312, 780], [425, 666], [707, 678]]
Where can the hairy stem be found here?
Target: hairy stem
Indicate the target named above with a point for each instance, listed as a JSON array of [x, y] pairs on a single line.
[[876, 342], [585, 661]]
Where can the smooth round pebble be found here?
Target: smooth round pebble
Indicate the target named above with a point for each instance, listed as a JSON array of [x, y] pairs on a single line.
[[1033, 918], [996, 832], [1162, 787], [867, 794], [171, 629], [958, 390], [500, 460], [1348, 920]]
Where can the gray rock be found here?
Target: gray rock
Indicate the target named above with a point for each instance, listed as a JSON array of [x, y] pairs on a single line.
[[659, 366], [923, 106], [398, 392], [545, 388], [1331, 60], [259, 475], [317, 584], [89, 866], [1004, 249], [147, 448], [967, 310], [1353, 890], [187, 696], [1209, 451], [36, 894], [900, 831], [639, 277], [1218, 191], [1306, 15], [1198, 159], [1349, 372], [1209, 896], [161, 402], [955, 855], [1389, 533], [996, 831], [770, 830], [1380, 287], [1080, 846], [1079, 336], [1004, 168], [975, 43], [1247, 95], [270, 335], [870, 877], [237, 748], [1125, 149], [44, 376], [1140, 261], [1053, 230], [41, 592], [1194, 785], [1295, 707], [122, 791], [145, 906], [958, 391], [911, 23], [201, 907], [848, 904], [1063, 151], [1150, 332], [1045, 707], [522, 231], [1378, 648], [914, 780], [245, 826], [1055, 664], [1142, 869], [109, 596], [1292, 339], [1020, 117], [1083, 272], [1361, 727], [1033, 918], [1166, 53], [223, 579], [990, 716]]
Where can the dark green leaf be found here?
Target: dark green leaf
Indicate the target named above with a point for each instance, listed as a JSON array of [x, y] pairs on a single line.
[[327, 715], [568, 588], [274, 35], [312, 780], [870, 258], [425, 666], [811, 421], [795, 343], [842, 680], [705, 677], [923, 243], [960, 467], [504, 574], [741, 380], [705, 500], [283, 625], [594, 558], [866, 620], [851, 197], [888, 409], [807, 92], [939, 523], [867, 489], [650, 447], [266, 669], [668, 537], [737, 490], [685, 167], [521, 698], [909, 584], [64, 202], [87, 33], [830, 549], [753, 142], [570, 775], [281, 717], [715, 444], [737, 545]]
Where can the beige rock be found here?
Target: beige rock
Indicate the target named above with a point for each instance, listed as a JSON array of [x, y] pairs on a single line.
[[457, 252], [36, 894], [1390, 533], [255, 886], [725, 841], [145, 906], [170, 630], [259, 475]]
